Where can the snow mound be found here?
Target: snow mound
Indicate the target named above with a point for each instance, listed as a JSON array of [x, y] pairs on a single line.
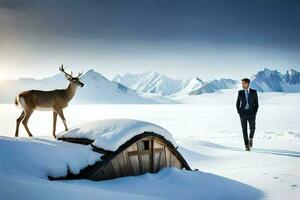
[[110, 134], [26, 163], [43, 158]]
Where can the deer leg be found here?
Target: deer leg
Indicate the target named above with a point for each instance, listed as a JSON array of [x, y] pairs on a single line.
[[25, 121], [18, 123], [61, 115], [54, 123]]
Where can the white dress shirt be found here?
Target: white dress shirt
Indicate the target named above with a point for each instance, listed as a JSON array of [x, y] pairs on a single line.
[[247, 92]]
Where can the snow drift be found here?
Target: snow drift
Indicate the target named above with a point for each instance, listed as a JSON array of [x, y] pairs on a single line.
[[43, 158]]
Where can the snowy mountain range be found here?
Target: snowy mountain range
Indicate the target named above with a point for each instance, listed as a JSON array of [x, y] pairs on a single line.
[[153, 82], [264, 81], [150, 82], [97, 89], [147, 88], [215, 85], [274, 81]]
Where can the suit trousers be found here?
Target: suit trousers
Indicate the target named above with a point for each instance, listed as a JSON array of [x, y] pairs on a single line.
[[245, 119]]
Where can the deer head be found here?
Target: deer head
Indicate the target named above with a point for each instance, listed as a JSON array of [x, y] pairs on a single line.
[[73, 80]]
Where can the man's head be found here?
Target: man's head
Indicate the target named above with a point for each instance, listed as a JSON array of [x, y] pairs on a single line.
[[245, 83]]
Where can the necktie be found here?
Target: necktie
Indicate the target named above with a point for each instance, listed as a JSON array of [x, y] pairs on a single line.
[[247, 100]]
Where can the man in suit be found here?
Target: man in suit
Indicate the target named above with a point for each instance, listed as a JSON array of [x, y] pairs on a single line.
[[247, 106]]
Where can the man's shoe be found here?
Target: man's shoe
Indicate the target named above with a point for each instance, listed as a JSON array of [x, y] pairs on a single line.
[[251, 142], [247, 148]]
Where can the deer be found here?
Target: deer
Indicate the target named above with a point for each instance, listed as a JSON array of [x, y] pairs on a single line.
[[54, 100]]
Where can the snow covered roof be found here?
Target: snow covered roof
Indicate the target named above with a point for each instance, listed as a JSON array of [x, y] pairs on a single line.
[[110, 134]]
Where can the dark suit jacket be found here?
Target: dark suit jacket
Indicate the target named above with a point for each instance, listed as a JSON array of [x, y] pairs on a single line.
[[241, 102]]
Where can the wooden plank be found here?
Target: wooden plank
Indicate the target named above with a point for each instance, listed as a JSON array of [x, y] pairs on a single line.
[[125, 156], [134, 163], [178, 164], [172, 160], [116, 167], [98, 175], [163, 159], [151, 156], [122, 164], [133, 153], [145, 162], [157, 155], [139, 156], [157, 144], [168, 156]]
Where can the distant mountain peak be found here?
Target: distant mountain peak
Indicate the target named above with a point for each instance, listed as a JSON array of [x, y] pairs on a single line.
[[92, 72], [149, 82], [94, 75], [214, 85], [274, 81], [268, 72], [291, 72]]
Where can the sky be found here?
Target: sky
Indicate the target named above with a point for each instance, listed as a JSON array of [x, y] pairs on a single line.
[[180, 38]]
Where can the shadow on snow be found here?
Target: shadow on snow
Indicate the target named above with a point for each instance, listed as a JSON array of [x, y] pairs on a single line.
[[172, 183]]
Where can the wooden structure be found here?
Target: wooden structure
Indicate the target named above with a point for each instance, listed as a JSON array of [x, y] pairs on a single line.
[[146, 152]]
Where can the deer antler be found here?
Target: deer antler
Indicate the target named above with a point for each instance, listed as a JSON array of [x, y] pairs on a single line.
[[62, 69], [79, 74]]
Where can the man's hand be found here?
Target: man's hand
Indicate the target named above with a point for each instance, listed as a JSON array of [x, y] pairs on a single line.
[[238, 100]]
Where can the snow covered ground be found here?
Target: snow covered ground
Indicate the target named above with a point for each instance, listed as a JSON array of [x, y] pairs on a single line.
[[25, 164], [207, 129]]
